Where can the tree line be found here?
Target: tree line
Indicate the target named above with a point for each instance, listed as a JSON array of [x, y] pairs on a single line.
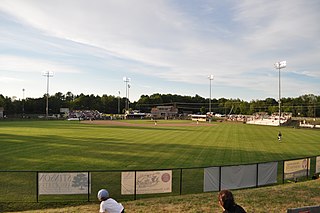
[[305, 106]]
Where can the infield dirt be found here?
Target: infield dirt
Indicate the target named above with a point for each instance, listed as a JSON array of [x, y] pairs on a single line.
[[151, 123]]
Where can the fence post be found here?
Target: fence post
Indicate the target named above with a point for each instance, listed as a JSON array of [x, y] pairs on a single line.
[[135, 184], [37, 186], [257, 178], [181, 181], [308, 168], [283, 172], [219, 178], [89, 186]]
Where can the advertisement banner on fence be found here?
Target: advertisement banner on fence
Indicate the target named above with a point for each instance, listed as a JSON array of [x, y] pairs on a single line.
[[318, 165], [296, 168], [63, 183], [148, 182]]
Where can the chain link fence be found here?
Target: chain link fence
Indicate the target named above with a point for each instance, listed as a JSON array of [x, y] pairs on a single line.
[[28, 186]]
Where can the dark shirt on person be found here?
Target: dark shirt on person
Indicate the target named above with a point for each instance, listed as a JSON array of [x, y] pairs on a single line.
[[235, 209]]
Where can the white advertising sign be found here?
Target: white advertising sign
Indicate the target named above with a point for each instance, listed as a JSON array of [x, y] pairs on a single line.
[[318, 165], [296, 168], [64, 110], [63, 183], [148, 182]]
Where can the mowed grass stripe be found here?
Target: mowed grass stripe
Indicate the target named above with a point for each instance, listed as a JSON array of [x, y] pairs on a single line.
[[204, 139], [154, 143], [261, 138]]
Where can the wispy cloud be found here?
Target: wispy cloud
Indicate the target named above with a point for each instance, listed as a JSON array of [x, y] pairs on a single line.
[[23, 64], [237, 41], [9, 80]]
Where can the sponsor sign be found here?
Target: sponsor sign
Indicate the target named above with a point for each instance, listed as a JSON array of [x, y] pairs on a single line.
[[296, 168], [64, 110], [148, 182], [63, 183], [318, 165]]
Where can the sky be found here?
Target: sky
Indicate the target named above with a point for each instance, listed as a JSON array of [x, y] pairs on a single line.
[[163, 46]]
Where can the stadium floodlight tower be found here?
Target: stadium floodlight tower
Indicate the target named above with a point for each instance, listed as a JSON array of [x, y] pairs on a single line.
[[47, 74], [210, 77], [280, 65], [126, 80]]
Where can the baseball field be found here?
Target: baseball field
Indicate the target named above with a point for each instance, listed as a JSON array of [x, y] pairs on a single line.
[[144, 144], [29, 146]]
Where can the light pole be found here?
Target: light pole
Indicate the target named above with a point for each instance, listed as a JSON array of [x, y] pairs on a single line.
[[119, 103], [313, 99], [47, 74], [210, 77], [129, 86], [23, 102], [280, 65], [126, 80]]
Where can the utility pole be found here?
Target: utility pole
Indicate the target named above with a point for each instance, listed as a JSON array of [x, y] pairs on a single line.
[[279, 66], [126, 80], [210, 77], [119, 103], [47, 74], [23, 102]]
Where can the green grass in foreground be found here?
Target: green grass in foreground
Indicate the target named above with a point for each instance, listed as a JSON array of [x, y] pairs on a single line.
[[265, 199], [65, 145]]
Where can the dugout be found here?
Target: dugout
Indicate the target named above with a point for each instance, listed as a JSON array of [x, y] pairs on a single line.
[[135, 116]]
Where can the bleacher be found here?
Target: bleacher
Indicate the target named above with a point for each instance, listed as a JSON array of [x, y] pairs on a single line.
[[265, 119], [85, 115], [308, 125], [269, 122]]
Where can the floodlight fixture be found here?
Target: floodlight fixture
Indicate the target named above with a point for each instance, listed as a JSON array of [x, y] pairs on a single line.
[[280, 65]]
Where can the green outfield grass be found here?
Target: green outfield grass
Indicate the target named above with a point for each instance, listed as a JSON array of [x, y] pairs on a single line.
[[72, 146], [65, 145]]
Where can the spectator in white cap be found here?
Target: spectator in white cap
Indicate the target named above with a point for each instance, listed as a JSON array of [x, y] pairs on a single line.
[[109, 205]]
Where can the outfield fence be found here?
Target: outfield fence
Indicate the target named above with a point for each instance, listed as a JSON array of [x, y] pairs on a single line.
[[64, 186]]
